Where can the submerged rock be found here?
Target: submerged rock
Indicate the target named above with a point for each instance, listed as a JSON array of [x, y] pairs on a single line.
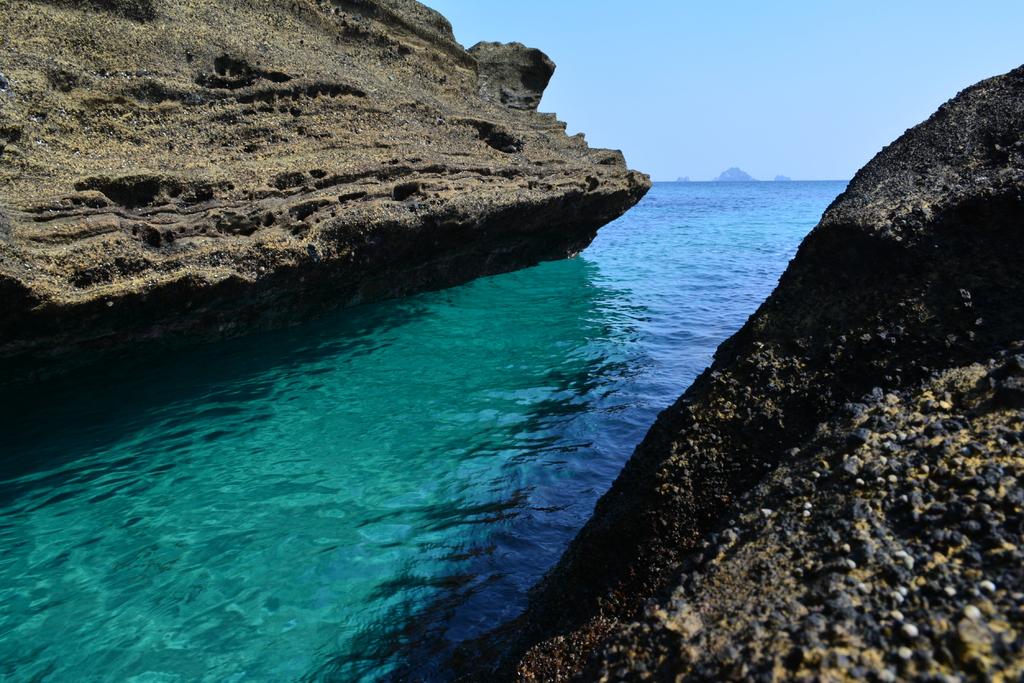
[[203, 169], [839, 496]]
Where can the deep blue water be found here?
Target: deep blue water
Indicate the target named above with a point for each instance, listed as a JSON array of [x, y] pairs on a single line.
[[339, 499]]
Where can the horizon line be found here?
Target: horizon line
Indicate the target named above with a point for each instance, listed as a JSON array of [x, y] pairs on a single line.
[[756, 180]]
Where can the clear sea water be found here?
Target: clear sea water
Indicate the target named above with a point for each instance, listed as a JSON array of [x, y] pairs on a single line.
[[347, 499]]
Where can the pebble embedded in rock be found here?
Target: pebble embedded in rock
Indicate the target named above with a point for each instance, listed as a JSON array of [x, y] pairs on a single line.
[[905, 557]]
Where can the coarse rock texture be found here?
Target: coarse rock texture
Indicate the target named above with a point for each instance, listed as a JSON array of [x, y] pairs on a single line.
[[887, 547], [775, 524], [512, 74], [184, 169]]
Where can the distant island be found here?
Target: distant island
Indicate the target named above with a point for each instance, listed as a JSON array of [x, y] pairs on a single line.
[[734, 175]]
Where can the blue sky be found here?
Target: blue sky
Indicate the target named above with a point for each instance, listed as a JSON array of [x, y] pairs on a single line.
[[806, 89]]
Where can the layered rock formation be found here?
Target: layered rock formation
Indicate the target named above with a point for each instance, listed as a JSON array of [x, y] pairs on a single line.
[[175, 169], [841, 495]]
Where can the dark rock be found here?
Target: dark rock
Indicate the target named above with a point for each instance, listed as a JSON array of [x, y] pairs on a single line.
[[512, 74], [859, 436], [936, 212], [151, 236], [855, 409], [1011, 391], [405, 190], [138, 10]]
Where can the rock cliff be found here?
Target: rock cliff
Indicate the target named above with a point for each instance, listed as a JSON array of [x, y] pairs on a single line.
[[840, 496], [183, 169]]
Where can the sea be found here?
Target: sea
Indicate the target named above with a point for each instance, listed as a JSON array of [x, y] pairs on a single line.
[[352, 498]]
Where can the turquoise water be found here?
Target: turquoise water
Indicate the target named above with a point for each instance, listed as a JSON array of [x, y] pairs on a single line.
[[346, 499]]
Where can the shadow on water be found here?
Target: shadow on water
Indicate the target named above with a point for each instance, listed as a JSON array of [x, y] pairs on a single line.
[[56, 421], [532, 353], [545, 489]]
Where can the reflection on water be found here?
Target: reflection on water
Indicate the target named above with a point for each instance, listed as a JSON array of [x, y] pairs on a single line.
[[322, 501]]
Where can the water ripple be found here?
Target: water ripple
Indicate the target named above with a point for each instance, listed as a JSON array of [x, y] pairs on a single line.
[[348, 499]]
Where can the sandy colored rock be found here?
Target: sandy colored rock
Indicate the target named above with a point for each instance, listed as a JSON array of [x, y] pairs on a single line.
[[512, 74], [176, 169]]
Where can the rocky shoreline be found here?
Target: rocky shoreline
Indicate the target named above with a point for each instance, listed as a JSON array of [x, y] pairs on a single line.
[[840, 496], [178, 171]]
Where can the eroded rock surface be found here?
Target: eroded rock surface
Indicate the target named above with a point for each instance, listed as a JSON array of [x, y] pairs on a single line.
[[839, 496], [512, 74], [175, 169]]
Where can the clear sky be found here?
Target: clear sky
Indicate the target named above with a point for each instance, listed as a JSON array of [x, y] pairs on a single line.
[[808, 88]]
